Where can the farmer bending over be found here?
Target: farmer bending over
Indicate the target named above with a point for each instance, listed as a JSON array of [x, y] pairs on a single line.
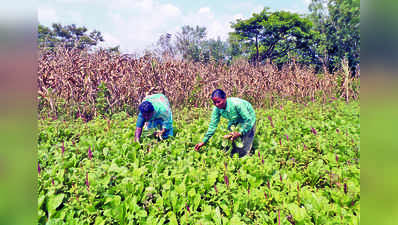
[[238, 112], [156, 111]]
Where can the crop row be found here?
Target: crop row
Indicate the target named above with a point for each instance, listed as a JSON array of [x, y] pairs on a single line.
[[304, 169]]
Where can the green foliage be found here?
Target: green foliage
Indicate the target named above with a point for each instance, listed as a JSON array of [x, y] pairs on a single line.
[[338, 21], [303, 177], [165, 45], [321, 39], [69, 36], [277, 37], [191, 44]]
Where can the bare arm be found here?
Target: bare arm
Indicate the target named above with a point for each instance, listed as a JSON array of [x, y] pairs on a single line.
[[137, 135], [163, 131]]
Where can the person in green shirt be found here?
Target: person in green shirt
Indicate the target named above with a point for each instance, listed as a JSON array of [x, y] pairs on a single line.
[[238, 112], [155, 110]]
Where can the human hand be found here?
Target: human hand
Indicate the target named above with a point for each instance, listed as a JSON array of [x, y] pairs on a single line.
[[159, 134], [232, 136], [198, 146]]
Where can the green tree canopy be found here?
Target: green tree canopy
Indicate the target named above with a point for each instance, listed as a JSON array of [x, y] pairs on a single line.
[[165, 45], [189, 42], [277, 37], [338, 21], [69, 36]]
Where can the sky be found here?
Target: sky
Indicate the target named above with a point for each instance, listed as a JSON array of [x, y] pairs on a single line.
[[136, 25]]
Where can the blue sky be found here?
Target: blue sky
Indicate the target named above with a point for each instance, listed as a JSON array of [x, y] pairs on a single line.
[[136, 25]]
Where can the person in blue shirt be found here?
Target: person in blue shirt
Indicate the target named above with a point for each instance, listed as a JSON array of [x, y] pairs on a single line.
[[155, 110]]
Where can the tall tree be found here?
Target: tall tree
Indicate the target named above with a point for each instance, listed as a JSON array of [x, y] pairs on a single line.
[[189, 42], [338, 22], [248, 31], [277, 36], [69, 36], [46, 37], [215, 50], [237, 49], [165, 45]]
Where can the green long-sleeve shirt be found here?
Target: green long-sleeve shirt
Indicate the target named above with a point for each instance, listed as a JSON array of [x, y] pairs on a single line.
[[237, 111]]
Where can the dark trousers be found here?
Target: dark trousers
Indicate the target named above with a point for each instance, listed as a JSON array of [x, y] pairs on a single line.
[[247, 141]]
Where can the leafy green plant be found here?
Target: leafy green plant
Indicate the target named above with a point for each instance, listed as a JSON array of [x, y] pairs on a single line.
[[94, 173]]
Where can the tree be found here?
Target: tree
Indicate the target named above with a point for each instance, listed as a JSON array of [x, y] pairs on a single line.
[[165, 45], [277, 37], [69, 36], [248, 31], [114, 50], [338, 22], [46, 37], [189, 42], [218, 50]]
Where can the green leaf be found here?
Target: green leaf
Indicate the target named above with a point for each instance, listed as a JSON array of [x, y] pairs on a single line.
[[299, 214], [40, 201], [141, 213], [180, 188], [212, 177], [224, 143], [41, 214], [235, 220], [238, 143], [226, 209], [173, 199], [225, 220], [99, 221], [53, 221], [53, 203], [105, 151], [191, 193], [217, 216], [196, 201], [108, 213], [173, 218], [161, 221]]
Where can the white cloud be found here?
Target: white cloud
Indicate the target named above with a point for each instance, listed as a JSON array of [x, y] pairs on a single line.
[[47, 15], [140, 25], [109, 40], [76, 18], [204, 10], [258, 9], [205, 13], [74, 1], [298, 8], [145, 5], [290, 10], [216, 26], [218, 29], [170, 10], [237, 16], [294, 10], [116, 18]]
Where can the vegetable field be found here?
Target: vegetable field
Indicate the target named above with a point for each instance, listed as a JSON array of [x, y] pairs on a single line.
[[304, 169]]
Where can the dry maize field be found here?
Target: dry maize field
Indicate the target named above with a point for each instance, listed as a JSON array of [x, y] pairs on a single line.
[[77, 83]]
